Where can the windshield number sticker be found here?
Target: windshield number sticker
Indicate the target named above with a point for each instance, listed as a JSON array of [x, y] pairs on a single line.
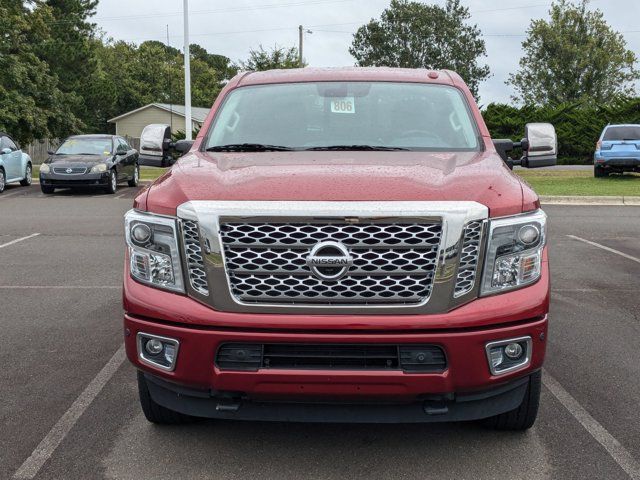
[[343, 105]]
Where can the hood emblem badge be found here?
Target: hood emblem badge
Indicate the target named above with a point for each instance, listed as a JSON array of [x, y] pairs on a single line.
[[69, 170], [329, 260]]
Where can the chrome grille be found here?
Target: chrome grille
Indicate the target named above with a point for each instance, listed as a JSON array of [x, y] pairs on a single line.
[[470, 251], [193, 253], [74, 170], [393, 263]]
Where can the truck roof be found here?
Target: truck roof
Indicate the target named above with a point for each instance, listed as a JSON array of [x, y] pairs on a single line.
[[349, 74]]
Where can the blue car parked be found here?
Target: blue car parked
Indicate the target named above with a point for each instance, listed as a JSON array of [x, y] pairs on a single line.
[[15, 165], [618, 150]]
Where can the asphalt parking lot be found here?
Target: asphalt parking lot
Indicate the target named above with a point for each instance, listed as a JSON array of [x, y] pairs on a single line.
[[69, 404]]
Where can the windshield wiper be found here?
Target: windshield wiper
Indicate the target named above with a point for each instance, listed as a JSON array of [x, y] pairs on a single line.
[[381, 148], [248, 147]]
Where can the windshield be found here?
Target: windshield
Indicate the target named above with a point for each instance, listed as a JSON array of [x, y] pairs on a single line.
[[630, 132], [345, 114], [87, 146]]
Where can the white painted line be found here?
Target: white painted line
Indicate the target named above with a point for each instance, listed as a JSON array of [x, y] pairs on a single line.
[[620, 454], [13, 242], [121, 195], [12, 194], [608, 249], [58, 287], [63, 426]]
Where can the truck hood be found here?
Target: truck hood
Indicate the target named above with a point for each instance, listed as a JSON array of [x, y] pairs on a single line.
[[341, 176]]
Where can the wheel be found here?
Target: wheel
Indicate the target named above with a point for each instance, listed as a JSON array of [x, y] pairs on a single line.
[[157, 413], [47, 189], [113, 181], [28, 176], [600, 172], [3, 180], [136, 177], [525, 415]]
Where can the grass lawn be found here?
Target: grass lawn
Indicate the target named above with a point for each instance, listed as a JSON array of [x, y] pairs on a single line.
[[572, 182]]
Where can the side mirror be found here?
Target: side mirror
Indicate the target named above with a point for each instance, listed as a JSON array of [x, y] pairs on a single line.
[[5, 151], [540, 146], [155, 142], [51, 152], [183, 146]]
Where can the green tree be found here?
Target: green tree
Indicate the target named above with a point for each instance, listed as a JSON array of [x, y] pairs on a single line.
[[70, 53], [276, 58], [414, 35], [573, 56], [31, 102]]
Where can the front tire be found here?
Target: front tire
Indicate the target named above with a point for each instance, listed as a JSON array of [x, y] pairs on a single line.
[[28, 176], [156, 413], [523, 417], [3, 180], [600, 172], [113, 181], [136, 177], [47, 189]]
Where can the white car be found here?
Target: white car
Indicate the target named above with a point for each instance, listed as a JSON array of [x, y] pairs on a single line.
[[15, 165]]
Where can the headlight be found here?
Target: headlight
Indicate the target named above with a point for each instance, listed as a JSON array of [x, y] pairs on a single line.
[[44, 168], [154, 258], [99, 168], [514, 252]]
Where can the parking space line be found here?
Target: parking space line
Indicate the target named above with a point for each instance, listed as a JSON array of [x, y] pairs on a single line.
[[603, 247], [12, 194], [121, 195], [63, 426], [600, 434], [13, 242]]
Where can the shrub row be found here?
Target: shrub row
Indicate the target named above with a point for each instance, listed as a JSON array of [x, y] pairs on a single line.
[[578, 125]]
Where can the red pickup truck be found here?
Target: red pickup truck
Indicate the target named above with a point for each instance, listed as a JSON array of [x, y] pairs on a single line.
[[340, 245]]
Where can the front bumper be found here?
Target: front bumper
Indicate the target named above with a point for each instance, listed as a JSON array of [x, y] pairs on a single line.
[[436, 408], [467, 366], [70, 181]]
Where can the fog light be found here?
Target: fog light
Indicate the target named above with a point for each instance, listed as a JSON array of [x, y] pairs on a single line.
[[159, 352], [509, 355], [513, 351], [153, 346]]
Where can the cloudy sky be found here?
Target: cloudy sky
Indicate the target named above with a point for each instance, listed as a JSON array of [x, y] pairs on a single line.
[[233, 28]]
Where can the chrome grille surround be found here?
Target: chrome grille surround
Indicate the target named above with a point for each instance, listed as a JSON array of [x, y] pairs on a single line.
[[196, 273], [399, 266], [470, 252], [74, 170], [437, 263]]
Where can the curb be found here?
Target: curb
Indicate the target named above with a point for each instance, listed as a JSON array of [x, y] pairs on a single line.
[[589, 200]]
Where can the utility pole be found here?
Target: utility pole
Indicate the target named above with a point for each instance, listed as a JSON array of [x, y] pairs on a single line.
[[301, 33], [170, 89], [187, 74], [300, 40]]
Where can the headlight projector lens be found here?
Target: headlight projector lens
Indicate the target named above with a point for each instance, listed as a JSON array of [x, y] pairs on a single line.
[[141, 233], [529, 234]]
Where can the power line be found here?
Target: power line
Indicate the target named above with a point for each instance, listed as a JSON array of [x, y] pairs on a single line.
[[216, 11]]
